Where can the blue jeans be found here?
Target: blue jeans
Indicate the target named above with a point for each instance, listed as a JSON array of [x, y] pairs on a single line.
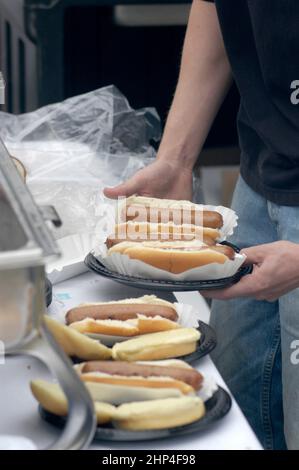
[[255, 337]]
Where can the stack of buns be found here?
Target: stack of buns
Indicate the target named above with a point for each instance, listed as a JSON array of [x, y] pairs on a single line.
[[135, 396], [174, 236]]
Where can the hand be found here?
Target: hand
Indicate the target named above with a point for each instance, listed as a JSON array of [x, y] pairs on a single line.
[[275, 273], [160, 179]]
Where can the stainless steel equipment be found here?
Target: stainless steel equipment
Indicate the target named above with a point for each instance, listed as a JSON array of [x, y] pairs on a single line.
[[25, 245]]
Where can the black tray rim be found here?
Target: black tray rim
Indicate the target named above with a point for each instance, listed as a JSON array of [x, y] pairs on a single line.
[[218, 406], [96, 266], [206, 343]]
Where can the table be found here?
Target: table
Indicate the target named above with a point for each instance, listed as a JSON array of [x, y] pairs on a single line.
[[18, 409]]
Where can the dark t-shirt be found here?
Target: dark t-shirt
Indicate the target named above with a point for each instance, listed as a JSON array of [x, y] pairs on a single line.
[[262, 43]]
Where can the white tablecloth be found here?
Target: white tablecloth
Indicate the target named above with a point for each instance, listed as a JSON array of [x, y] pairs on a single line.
[[18, 409]]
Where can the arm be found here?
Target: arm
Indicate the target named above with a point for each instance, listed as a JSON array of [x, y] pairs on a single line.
[[203, 82]]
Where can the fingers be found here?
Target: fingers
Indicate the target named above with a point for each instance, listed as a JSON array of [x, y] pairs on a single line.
[[246, 287], [254, 254], [257, 254], [125, 189]]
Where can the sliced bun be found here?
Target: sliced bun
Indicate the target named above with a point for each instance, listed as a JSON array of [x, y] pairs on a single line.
[[155, 346], [52, 399], [138, 381], [138, 326], [126, 309], [154, 324], [159, 414], [117, 394], [106, 327], [174, 257], [144, 209], [167, 363], [76, 344], [145, 231]]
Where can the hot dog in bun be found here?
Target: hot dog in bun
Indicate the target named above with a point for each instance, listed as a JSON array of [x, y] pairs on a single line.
[[145, 231], [146, 209], [162, 374], [134, 396], [124, 382], [128, 317], [174, 257]]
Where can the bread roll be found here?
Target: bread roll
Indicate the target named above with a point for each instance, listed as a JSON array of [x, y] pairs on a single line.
[[106, 327], [174, 257], [76, 344], [52, 399], [46, 394], [154, 324], [156, 346], [117, 394], [159, 414], [135, 381], [167, 362], [138, 326]]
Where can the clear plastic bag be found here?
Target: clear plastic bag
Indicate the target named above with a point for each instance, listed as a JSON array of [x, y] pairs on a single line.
[[71, 150]]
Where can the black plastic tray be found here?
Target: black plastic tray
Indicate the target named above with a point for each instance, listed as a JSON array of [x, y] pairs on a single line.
[[206, 343], [216, 408], [170, 286]]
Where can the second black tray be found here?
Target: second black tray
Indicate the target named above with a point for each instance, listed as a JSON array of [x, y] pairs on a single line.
[[216, 408], [170, 286]]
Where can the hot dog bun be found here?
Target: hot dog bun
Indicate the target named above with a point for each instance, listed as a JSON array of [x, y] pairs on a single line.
[[137, 326], [174, 257], [156, 413], [52, 399], [125, 382], [145, 231], [148, 305], [159, 414], [75, 344], [156, 346], [145, 209]]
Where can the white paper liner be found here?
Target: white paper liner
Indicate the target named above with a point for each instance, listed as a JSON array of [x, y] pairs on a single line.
[[188, 317], [122, 264], [209, 387], [230, 219]]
